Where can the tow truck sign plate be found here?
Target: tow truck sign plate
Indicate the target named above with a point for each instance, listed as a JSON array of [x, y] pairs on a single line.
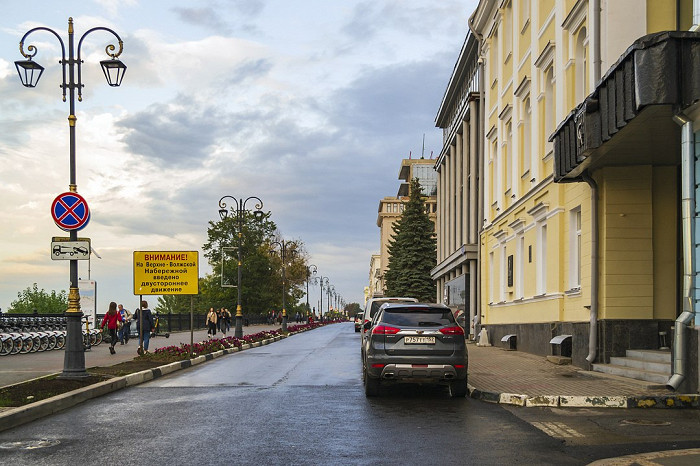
[[70, 250]]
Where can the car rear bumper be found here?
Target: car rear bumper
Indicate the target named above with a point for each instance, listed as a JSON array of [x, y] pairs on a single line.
[[418, 372]]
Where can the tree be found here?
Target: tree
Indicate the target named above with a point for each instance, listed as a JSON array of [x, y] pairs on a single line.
[[32, 299], [412, 251]]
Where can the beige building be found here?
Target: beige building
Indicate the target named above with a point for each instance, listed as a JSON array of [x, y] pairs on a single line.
[[460, 213], [391, 208]]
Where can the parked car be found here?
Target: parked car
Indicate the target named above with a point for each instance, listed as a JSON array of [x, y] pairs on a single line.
[[415, 343], [373, 305], [358, 321]]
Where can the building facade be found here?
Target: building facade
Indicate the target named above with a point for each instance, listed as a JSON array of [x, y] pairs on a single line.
[[581, 190], [390, 209], [460, 212]]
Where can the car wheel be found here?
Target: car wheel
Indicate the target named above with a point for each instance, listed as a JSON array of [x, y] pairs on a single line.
[[458, 388], [357, 330], [371, 385]]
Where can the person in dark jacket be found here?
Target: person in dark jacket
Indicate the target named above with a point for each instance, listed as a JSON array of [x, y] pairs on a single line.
[[148, 325]]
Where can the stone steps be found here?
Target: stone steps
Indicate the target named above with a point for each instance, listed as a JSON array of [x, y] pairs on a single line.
[[648, 365]]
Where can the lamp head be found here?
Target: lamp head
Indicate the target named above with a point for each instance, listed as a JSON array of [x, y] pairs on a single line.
[[114, 71], [29, 72], [223, 213]]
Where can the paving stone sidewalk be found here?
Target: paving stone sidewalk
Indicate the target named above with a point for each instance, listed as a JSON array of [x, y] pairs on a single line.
[[515, 377]]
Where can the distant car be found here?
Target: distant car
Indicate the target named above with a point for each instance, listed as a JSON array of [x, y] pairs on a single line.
[[373, 305], [358, 321], [415, 343]]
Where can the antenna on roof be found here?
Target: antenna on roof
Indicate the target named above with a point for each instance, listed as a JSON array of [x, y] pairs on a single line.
[[409, 155], [422, 154], [431, 155]]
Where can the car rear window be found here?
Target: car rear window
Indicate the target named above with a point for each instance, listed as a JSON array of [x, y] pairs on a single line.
[[418, 317], [377, 304]]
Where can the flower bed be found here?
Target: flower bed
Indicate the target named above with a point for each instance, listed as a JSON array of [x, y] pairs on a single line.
[[186, 351]]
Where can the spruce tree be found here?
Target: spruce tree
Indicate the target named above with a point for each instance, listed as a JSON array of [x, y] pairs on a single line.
[[412, 251]]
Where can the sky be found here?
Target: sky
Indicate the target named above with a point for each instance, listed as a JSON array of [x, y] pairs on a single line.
[[309, 105]]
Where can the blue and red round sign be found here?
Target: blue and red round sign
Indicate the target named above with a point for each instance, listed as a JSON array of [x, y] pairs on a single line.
[[70, 211]]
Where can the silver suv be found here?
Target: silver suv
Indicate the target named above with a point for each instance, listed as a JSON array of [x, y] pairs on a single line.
[[373, 305], [415, 343]]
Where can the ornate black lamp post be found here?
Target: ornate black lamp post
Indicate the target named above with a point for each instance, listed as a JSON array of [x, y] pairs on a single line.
[[29, 73], [324, 282], [331, 293], [310, 270], [238, 212], [284, 255]]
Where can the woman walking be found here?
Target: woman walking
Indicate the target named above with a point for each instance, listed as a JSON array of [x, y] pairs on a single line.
[[112, 319], [211, 322]]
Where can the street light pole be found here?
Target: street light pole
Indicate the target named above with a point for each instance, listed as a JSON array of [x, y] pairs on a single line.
[[323, 281], [239, 211], [29, 73], [283, 255], [310, 270]]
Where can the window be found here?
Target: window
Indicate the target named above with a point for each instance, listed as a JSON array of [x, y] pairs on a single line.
[[520, 267], [524, 14], [541, 258], [548, 107], [503, 274], [575, 249], [526, 128], [581, 65], [491, 277], [508, 156]]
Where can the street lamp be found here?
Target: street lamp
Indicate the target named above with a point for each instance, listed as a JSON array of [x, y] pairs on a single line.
[[283, 255], [239, 212], [310, 270], [323, 281], [29, 73], [331, 292]]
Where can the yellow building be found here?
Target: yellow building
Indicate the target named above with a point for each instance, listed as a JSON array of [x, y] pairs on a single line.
[[391, 208], [581, 163]]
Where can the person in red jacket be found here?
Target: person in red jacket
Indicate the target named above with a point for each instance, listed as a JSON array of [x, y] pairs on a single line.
[[112, 319]]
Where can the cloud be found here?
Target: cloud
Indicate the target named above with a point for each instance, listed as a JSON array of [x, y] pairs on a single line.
[[207, 18]]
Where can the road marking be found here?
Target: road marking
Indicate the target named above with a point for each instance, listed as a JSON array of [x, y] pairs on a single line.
[[557, 429]]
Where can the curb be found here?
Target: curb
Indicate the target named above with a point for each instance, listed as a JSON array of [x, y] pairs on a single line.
[[570, 401], [17, 416]]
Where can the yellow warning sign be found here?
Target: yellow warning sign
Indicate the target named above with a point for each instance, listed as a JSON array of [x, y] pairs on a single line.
[[166, 272]]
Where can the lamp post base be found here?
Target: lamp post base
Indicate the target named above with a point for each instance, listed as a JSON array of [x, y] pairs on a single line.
[[74, 358], [239, 327], [284, 323]]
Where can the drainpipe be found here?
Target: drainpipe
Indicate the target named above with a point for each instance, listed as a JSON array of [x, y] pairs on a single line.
[[593, 331], [687, 202]]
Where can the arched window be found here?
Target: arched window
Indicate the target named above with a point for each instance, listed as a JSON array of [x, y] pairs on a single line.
[[581, 65]]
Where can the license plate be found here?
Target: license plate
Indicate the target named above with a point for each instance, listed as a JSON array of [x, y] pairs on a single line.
[[419, 340]]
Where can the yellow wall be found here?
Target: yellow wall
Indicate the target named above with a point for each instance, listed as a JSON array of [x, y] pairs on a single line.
[[626, 251], [666, 252]]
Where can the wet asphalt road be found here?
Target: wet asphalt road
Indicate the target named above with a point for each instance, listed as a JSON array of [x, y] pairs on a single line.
[[296, 401]]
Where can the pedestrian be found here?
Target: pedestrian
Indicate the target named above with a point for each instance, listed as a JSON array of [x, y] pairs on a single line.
[[211, 323], [125, 326], [112, 318], [144, 318], [227, 319], [222, 321]]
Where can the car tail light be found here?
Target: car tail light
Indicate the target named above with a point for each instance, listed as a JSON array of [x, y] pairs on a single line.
[[385, 330], [459, 366], [378, 366], [456, 330]]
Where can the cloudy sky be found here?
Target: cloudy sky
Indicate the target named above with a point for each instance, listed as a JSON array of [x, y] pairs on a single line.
[[308, 104]]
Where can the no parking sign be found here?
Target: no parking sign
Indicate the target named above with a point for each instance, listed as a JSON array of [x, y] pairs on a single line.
[[70, 211]]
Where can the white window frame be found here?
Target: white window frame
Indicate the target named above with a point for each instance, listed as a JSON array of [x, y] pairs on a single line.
[[575, 249]]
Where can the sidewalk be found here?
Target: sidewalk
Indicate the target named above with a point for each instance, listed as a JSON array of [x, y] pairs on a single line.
[[18, 368], [523, 379]]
